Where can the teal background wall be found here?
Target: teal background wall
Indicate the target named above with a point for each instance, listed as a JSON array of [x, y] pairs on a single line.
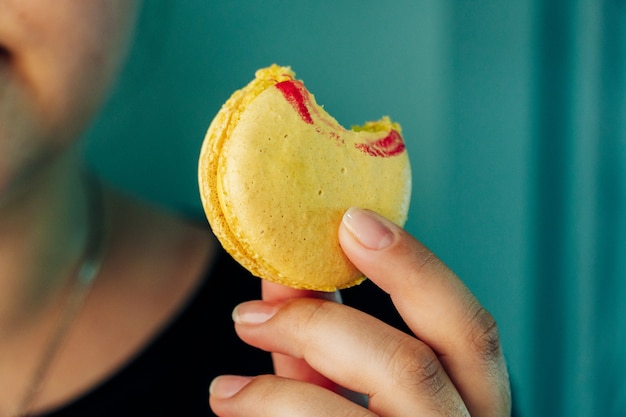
[[514, 113]]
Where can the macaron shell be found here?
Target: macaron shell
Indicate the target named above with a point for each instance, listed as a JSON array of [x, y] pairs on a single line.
[[284, 186], [276, 174], [218, 131]]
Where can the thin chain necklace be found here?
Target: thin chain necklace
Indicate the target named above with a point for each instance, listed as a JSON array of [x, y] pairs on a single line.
[[84, 277]]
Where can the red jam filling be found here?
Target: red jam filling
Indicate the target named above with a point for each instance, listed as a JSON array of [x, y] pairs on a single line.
[[390, 145], [295, 93]]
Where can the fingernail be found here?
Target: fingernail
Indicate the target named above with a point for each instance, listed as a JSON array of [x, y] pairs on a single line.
[[253, 312], [370, 229], [225, 386]]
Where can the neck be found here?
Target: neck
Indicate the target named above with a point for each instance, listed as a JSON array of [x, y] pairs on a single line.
[[42, 235]]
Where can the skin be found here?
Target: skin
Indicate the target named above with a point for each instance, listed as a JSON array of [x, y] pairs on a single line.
[[57, 61], [452, 365], [54, 69]]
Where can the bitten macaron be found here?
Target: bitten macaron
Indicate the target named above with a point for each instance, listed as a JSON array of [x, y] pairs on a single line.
[[276, 173]]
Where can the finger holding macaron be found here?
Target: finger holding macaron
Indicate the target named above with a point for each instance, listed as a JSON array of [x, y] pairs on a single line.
[[311, 208], [451, 363]]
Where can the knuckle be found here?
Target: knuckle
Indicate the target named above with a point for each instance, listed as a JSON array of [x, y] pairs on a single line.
[[267, 386], [263, 392], [423, 259], [483, 335], [311, 313], [316, 311], [417, 367]]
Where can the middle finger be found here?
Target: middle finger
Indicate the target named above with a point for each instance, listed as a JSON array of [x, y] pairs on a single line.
[[400, 374]]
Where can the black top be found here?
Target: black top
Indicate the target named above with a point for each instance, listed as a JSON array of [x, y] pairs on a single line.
[[171, 376]]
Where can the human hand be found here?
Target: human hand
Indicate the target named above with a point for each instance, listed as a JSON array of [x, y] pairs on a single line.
[[452, 365]]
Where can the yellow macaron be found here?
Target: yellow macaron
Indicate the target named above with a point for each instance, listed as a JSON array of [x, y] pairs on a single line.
[[276, 174]]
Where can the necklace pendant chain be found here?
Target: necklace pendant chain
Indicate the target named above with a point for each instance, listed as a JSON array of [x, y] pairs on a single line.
[[84, 277]]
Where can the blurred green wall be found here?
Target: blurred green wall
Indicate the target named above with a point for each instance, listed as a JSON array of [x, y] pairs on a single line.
[[514, 116]]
